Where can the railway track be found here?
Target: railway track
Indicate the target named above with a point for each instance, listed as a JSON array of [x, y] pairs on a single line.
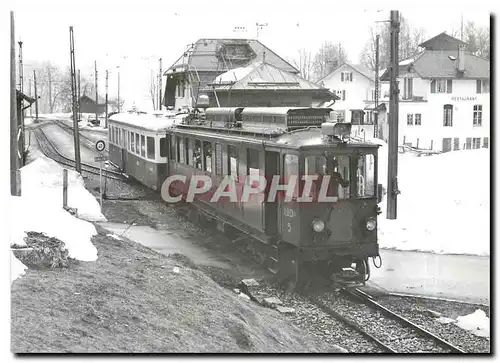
[[50, 150], [390, 331]]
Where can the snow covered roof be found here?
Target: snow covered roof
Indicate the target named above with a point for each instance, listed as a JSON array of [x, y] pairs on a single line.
[[219, 55], [148, 122], [442, 41], [359, 68], [263, 76]]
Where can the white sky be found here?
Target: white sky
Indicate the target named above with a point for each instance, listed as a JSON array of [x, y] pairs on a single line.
[[137, 34]]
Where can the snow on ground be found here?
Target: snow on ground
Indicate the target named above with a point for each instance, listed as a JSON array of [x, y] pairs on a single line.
[[444, 203], [17, 268], [477, 323], [39, 209]]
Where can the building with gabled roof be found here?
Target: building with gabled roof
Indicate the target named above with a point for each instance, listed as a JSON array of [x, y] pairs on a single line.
[[444, 97], [204, 60], [264, 85]]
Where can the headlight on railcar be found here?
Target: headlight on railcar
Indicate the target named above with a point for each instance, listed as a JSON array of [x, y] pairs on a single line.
[[318, 225], [371, 224]]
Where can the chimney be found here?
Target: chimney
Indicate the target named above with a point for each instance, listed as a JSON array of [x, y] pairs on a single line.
[[461, 58]]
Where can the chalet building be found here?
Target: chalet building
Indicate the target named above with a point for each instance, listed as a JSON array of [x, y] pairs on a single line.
[[354, 84], [88, 105], [262, 84], [206, 59], [444, 101]]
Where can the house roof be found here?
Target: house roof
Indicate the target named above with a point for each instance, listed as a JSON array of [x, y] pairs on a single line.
[[359, 68], [438, 64], [219, 55], [263, 76], [442, 41]]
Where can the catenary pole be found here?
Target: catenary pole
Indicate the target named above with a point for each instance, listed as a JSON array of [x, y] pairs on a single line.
[[377, 95], [392, 175], [96, 95], [15, 175], [76, 132]]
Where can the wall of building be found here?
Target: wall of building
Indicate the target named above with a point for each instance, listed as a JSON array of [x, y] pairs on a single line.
[[356, 91]]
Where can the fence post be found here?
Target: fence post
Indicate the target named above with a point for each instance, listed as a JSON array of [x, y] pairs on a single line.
[[65, 188], [432, 144], [417, 142], [404, 140]]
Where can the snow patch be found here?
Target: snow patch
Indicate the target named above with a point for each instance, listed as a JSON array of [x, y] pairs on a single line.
[[443, 207], [112, 235], [39, 209], [17, 268], [477, 323]]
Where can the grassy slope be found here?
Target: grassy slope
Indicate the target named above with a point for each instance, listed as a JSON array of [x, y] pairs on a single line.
[[130, 300]]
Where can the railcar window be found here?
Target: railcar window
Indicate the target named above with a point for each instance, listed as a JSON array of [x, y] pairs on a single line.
[[189, 151], [207, 156], [218, 159], [181, 153], [143, 146], [290, 170], [337, 167], [172, 147], [151, 147], [341, 166], [365, 175], [197, 155], [137, 144], [132, 142], [232, 161], [253, 169], [125, 139]]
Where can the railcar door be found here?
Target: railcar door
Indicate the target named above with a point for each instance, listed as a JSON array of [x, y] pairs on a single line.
[[287, 200], [272, 167]]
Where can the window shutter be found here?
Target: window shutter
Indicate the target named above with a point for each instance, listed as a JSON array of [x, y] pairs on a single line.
[[350, 76], [343, 95], [449, 86], [478, 86], [433, 86], [342, 76], [410, 88]]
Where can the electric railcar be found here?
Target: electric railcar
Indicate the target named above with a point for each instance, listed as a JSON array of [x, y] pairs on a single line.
[[300, 231]]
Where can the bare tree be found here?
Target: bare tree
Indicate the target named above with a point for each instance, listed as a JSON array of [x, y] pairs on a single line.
[[328, 57], [153, 88], [477, 39], [304, 64], [409, 40]]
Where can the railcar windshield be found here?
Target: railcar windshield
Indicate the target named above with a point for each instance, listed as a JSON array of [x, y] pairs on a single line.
[[337, 167], [365, 176]]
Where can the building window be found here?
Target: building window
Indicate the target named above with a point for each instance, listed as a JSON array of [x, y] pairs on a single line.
[[346, 76], [340, 94], [418, 119], [441, 86], [446, 144], [476, 142], [409, 119], [485, 142], [448, 115], [369, 118], [478, 115], [456, 143], [468, 143], [371, 96], [482, 86], [340, 115], [408, 88]]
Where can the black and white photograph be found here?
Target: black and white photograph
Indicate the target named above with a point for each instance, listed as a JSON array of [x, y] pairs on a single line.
[[249, 177]]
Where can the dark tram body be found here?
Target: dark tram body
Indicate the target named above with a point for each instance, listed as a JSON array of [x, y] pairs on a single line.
[[325, 221]]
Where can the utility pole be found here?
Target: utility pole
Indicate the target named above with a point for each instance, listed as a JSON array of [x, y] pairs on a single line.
[[50, 90], [375, 113], [392, 177], [119, 90], [96, 95], [76, 132], [159, 88], [21, 88], [106, 119], [36, 96], [78, 94], [29, 82], [15, 175], [21, 83], [462, 27]]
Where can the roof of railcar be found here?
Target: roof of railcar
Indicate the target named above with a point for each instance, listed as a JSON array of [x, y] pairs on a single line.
[[147, 122], [309, 138], [222, 110], [277, 111]]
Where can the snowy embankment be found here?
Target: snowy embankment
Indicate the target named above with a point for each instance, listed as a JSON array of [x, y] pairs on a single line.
[[39, 209], [444, 205]]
